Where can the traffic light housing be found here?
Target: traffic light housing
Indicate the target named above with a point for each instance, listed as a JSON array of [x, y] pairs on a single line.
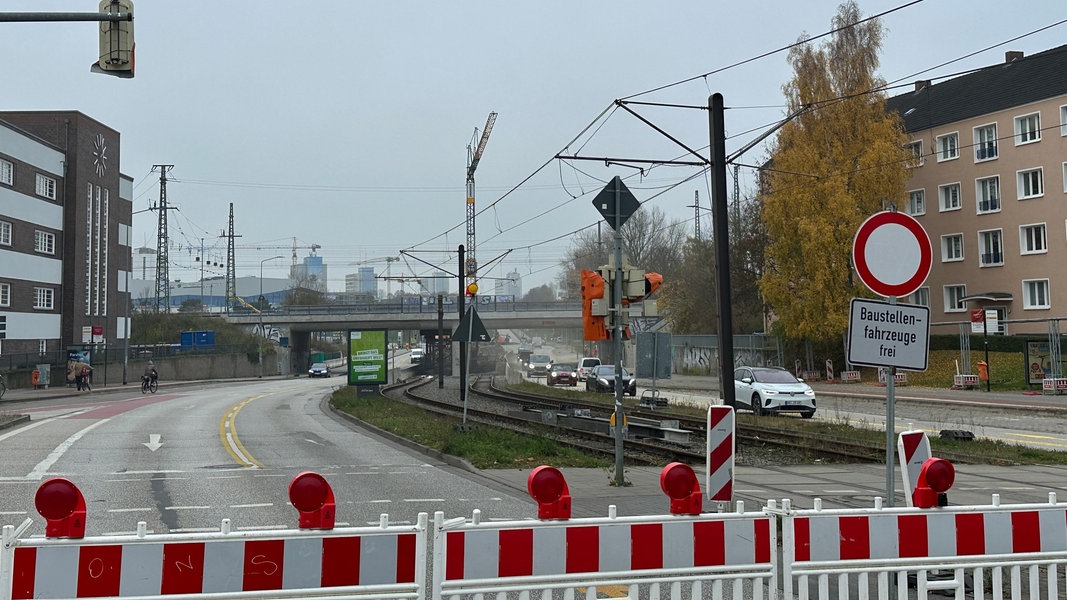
[[639, 285], [935, 478], [116, 41], [594, 306]]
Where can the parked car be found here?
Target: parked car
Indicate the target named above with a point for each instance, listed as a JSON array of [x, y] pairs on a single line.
[[539, 365], [319, 369], [585, 366], [563, 374], [417, 354], [602, 379], [773, 389]]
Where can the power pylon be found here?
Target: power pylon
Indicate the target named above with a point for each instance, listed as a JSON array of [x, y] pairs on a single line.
[[162, 243], [231, 267]]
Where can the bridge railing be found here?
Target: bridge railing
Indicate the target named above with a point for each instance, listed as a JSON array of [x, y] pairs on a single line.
[[382, 308]]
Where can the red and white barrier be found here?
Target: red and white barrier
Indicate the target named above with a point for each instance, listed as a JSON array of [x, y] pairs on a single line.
[[296, 561], [913, 449], [719, 481], [847, 548], [474, 557]]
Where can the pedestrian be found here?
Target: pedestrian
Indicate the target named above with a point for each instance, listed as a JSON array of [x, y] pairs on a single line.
[[78, 378], [86, 376]]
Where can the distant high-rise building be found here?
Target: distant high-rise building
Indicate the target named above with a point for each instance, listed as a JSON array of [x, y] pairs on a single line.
[[310, 274], [434, 284], [513, 285]]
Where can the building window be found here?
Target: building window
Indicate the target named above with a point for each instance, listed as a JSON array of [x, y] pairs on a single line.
[[5, 294], [1030, 183], [7, 172], [916, 149], [5, 233], [1035, 294], [43, 298], [954, 295], [1063, 120], [990, 248], [917, 202], [949, 196], [952, 247], [44, 242], [42, 347], [948, 146], [46, 186], [921, 297], [987, 191], [1032, 239], [1028, 129], [985, 142]]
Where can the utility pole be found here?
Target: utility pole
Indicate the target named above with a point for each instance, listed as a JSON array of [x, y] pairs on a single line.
[[162, 243], [231, 267], [720, 228]]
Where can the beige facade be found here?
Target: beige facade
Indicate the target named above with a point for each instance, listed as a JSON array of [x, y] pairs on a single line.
[[990, 191]]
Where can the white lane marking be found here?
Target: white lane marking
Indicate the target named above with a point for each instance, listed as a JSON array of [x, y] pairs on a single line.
[[33, 424], [186, 507], [223, 477], [260, 505], [235, 448], [129, 510], [162, 472], [42, 467], [424, 500], [8, 513]]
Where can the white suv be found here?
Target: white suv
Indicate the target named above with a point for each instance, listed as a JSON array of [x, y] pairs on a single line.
[[585, 366]]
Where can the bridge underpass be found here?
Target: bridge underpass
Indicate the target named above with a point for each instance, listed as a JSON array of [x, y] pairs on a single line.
[[298, 322]]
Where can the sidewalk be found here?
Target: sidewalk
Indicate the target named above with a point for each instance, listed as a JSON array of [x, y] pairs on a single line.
[[696, 388]]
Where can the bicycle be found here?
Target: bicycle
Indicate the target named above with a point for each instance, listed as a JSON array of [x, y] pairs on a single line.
[[149, 384]]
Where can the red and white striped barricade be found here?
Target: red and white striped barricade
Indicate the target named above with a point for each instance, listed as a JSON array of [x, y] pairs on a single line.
[[684, 554], [719, 478], [994, 551], [913, 449], [387, 561], [315, 561]]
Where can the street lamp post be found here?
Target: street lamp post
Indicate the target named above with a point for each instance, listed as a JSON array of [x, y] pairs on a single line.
[[262, 334]]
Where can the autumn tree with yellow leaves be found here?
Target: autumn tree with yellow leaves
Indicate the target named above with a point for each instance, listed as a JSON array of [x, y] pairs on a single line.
[[839, 161]]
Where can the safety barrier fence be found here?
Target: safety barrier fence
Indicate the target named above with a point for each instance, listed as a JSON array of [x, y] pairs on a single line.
[[994, 551]]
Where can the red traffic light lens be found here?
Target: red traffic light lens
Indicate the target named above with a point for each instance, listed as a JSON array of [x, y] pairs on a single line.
[[940, 474], [308, 491], [677, 480], [56, 499], [545, 484]]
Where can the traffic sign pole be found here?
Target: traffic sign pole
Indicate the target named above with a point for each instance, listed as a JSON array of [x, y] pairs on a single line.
[[892, 255]]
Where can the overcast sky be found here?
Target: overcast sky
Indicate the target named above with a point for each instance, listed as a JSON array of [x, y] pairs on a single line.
[[347, 124]]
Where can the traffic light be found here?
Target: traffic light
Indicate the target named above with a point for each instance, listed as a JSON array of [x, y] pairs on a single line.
[[116, 41], [594, 307], [639, 285]]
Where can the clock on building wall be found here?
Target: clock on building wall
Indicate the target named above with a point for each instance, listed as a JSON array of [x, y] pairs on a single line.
[[100, 154]]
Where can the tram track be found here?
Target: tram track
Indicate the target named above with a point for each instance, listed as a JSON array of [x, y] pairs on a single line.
[[492, 404]]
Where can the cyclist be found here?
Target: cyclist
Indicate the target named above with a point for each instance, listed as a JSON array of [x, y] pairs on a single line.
[[150, 375]]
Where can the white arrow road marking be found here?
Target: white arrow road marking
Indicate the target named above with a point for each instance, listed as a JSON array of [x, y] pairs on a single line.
[[153, 442]]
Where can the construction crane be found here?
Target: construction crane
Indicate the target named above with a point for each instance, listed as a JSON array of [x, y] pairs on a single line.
[[473, 158]]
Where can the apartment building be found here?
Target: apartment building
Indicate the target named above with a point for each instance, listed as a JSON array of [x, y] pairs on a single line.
[[65, 215], [990, 188]]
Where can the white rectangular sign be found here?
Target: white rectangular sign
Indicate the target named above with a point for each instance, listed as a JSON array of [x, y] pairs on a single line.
[[881, 334]]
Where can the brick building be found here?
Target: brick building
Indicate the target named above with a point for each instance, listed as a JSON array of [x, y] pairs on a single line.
[[65, 218]]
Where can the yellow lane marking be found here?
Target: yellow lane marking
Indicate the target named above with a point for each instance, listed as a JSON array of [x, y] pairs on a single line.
[[228, 435]]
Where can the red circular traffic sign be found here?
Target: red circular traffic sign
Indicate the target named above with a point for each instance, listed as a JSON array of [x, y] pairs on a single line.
[[892, 254]]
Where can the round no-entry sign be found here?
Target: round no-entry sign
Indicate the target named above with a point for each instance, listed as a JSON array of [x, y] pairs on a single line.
[[892, 254]]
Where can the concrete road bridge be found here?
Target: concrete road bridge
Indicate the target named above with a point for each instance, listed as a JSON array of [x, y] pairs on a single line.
[[297, 322]]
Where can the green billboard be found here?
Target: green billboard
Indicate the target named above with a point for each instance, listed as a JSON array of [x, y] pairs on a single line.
[[367, 357]]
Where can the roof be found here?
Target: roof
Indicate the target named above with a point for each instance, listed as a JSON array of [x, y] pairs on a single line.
[[998, 87]]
